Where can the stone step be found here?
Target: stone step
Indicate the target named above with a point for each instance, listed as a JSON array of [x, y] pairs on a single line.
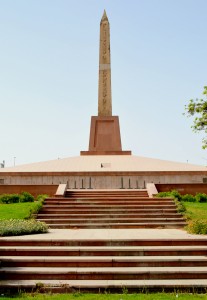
[[107, 243], [98, 206], [105, 202], [179, 224], [68, 220], [103, 261], [70, 286], [58, 210], [111, 216], [86, 192], [106, 192], [107, 273], [111, 198], [127, 195], [50, 250]]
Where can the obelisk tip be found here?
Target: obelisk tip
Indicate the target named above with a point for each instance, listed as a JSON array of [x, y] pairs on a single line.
[[104, 17]]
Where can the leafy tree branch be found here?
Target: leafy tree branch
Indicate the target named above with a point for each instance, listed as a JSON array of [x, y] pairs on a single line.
[[198, 108]]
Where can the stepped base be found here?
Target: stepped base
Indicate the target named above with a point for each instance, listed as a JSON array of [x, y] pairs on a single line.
[[104, 259], [118, 207]]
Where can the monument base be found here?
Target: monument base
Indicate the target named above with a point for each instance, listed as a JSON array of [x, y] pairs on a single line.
[[105, 138], [105, 153]]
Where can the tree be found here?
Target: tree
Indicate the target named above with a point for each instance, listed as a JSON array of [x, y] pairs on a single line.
[[198, 108]]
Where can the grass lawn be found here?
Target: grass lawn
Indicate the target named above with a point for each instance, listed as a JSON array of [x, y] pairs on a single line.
[[17, 211], [196, 210], [158, 296]]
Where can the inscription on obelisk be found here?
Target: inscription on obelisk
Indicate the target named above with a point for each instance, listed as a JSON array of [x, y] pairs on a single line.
[[104, 88]]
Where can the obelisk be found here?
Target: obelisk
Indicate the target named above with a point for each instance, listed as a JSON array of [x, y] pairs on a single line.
[[105, 138], [104, 87]]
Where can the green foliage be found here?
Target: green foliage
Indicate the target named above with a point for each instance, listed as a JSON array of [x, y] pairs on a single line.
[[12, 214], [36, 207], [16, 198], [21, 227], [7, 198], [197, 227], [196, 210], [163, 194], [176, 194], [198, 108], [42, 197], [26, 197], [188, 198], [21, 210], [173, 194], [180, 207], [88, 296], [199, 197], [202, 198]]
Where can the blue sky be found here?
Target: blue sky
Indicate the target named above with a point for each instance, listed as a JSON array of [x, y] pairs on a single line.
[[49, 51]]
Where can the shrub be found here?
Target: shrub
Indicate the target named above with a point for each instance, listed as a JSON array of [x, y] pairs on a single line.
[[4, 199], [163, 194], [176, 194], [202, 198], [180, 207], [16, 198], [9, 198], [21, 227], [197, 227], [173, 193], [36, 208], [26, 197], [188, 198], [42, 197]]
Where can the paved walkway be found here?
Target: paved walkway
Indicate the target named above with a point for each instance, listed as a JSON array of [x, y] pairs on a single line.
[[108, 234]]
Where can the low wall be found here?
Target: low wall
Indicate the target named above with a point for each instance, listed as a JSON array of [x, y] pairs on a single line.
[[183, 188], [32, 189], [188, 188], [103, 180]]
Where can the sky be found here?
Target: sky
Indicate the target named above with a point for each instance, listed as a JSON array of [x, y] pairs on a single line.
[[49, 57]]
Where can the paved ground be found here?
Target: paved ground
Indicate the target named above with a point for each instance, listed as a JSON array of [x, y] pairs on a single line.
[[90, 234]]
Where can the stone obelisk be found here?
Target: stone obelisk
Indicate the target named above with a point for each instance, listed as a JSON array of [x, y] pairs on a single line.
[[104, 87], [105, 138]]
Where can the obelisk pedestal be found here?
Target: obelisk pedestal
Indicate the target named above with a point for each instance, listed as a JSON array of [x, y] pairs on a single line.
[[105, 138]]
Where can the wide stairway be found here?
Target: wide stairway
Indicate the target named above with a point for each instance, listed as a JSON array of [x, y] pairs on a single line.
[[110, 209], [101, 265], [107, 254]]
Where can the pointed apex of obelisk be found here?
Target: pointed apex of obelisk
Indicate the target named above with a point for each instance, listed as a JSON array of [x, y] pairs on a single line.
[[104, 17]]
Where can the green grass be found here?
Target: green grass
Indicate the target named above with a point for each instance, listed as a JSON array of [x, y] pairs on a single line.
[[18, 210], [77, 296], [195, 210]]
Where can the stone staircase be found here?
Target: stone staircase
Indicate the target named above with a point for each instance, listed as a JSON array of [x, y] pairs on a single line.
[[76, 260], [100, 264], [110, 209]]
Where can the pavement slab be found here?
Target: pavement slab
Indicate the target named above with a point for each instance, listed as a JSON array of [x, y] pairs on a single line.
[[108, 234]]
